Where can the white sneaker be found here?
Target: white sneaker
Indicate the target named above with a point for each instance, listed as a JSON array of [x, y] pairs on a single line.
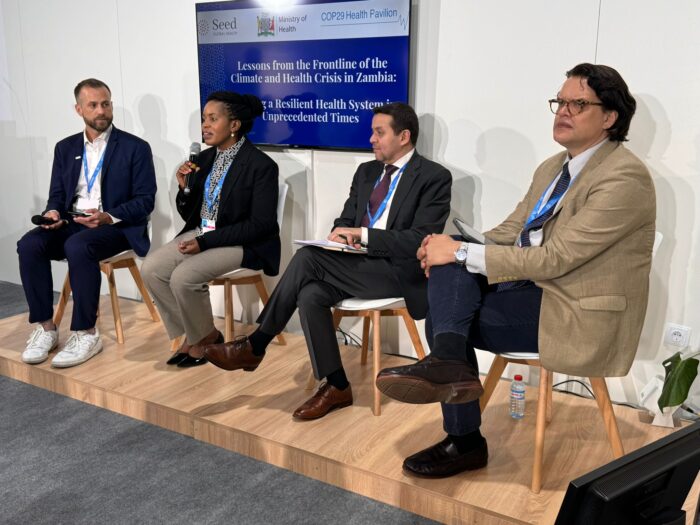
[[39, 344], [80, 347]]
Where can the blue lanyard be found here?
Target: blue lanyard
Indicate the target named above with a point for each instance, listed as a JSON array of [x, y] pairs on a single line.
[[91, 180], [382, 206], [550, 203], [217, 190]]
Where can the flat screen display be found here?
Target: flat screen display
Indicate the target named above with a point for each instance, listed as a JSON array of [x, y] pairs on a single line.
[[319, 67]]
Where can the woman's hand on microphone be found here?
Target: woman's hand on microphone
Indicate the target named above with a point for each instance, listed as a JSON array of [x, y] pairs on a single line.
[[183, 171]]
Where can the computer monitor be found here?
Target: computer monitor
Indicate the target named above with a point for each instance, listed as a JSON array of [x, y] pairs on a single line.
[[645, 487]]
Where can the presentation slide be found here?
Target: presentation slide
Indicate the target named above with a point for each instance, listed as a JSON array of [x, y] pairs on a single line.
[[318, 67]]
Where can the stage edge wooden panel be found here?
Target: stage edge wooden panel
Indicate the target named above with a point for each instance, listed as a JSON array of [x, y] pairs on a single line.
[[250, 413]]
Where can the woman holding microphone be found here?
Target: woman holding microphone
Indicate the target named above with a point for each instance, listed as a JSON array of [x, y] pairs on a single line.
[[229, 204]]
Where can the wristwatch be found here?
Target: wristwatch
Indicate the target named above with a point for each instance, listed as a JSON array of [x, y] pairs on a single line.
[[461, 254]]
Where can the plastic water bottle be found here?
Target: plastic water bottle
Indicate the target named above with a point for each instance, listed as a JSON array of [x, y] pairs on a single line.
[[517, 397]]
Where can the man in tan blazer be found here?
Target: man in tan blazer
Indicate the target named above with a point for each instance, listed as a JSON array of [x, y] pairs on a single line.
[[567, 274]]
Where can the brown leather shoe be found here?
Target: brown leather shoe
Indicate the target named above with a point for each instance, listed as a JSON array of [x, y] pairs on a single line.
[[197, 350], [326, 399], [233, 355], [431, 380]]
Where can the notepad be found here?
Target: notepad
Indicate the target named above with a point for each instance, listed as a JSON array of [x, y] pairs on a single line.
[[330, 245]]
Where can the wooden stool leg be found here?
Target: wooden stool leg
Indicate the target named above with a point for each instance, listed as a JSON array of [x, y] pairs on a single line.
[[413, 333], [228, 310], [109, 272], [337, 316], [539, 432], [376, 351], [262, 291], [311, 381], [176, 343], [62, 301], [600, 389], [492, 378], [550, 381], [365, 339], [136, 274]]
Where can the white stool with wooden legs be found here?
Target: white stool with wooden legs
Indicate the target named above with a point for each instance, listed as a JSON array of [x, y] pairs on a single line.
[[236, 277], [125, 259], [544, 406], [374, 310], [544, 399], [246, 276]]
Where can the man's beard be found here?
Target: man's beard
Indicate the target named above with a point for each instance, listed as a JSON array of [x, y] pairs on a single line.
[[99, 124]]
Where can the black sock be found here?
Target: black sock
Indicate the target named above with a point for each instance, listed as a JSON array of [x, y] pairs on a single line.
[[338, 379], [259, 341], [467, 442], [450, 345]]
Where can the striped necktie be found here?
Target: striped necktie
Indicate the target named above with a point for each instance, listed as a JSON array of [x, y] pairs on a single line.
[[559, 189]]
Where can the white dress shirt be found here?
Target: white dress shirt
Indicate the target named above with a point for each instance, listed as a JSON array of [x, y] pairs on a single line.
[[381, 221], [93, 151]]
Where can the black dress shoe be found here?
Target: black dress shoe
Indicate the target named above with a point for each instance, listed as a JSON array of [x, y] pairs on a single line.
[[443, 460], [177, 358], [197, 361], [190, 361], [431, 380]]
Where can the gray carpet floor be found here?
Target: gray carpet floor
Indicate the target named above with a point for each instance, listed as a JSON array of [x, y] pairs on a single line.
[[12, 300], [64, 461]]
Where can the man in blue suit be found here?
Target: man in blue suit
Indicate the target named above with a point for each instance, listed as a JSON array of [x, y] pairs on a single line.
[[102, 192]]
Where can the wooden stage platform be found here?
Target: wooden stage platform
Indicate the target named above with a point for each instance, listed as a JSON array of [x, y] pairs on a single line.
[[250, 413]]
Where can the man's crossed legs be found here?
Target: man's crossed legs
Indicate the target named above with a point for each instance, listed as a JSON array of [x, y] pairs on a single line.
[[464, 313]]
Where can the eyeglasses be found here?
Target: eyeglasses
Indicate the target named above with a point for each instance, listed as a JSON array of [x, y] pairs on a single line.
[[575, 107]]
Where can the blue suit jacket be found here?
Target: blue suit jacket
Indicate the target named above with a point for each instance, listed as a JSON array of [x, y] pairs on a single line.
[[128, 183]]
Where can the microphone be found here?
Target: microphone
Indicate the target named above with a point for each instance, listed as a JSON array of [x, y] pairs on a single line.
[[40, 219], [195, 148]]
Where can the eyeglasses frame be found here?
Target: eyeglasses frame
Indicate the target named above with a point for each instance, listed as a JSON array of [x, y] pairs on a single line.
[[561, 103]]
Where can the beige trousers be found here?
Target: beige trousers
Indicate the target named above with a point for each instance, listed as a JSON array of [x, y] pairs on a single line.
[[179, 285]]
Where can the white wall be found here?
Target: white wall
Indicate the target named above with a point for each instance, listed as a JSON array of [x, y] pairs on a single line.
[[482, 72]]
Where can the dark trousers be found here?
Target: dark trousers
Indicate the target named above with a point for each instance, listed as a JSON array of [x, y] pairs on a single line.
[[463, 303], [315, 280], [84, 248]]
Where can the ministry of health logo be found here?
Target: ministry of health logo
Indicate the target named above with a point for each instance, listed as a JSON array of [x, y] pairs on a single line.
[[202, 27], [266, 25]]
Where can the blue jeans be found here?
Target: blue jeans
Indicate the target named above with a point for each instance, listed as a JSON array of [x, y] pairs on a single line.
[[463, 303]]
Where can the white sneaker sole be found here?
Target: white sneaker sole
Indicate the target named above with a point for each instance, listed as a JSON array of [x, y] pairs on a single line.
[[37, 360], [68, 364]]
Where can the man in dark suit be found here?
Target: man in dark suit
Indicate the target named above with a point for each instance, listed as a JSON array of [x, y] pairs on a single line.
[[394, 202], [101, 195]]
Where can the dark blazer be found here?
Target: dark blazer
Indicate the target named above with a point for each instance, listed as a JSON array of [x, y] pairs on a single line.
[[128, 183], [247, 208], [420, 206]]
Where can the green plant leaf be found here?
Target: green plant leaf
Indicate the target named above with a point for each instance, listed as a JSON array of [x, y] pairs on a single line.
[[680, 374]]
